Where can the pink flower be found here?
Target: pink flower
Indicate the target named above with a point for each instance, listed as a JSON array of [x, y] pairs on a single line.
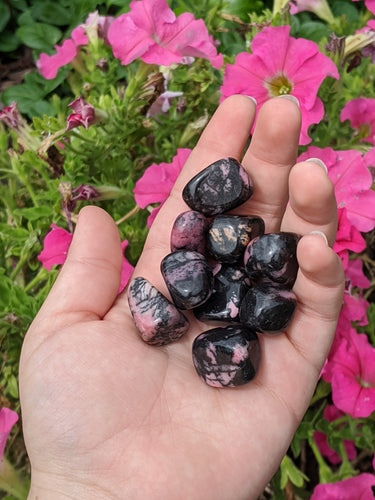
[[354, 488], [331, 413], [354, 273], [12, 117], [352, 179], [369, 160], [347, 237], [84, 114], [163, 103], [157, 181], [361, 114], [152, 32], [280, 65], [65, 53], [55, 248], [351, 371], [127, 268], [7, 419]]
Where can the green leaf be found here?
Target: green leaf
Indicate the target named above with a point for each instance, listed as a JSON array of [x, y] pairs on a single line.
[[53, 13], [34, 213], [9, 42], [4, 15], [291, 472], [39, 35]]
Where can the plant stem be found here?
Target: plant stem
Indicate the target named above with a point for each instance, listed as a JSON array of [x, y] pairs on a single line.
[[10, 482]]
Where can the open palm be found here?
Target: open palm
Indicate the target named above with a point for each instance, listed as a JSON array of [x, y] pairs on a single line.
[[107, 416]]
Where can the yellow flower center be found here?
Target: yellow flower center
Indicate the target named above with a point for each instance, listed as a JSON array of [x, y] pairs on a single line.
[[278, 85]]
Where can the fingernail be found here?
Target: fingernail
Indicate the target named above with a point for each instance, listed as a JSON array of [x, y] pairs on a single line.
[[291, 98], [253, 99], [319, 233], [319, 162]]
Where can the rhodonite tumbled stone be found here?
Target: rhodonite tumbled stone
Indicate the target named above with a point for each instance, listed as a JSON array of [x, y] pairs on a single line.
[[268, 308], [229, 235], [221, 186], [273, 256], [230, 286], [189, 232], [227, 357], [156, 318], [188, 277]]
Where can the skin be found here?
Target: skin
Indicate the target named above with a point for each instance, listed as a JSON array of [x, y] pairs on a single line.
[[107, 416]]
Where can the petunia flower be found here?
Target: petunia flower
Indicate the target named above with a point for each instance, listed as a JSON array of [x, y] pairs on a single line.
[[7, 419], [347, 237], [12, 118], [331, 413], [369, 160], [55, 251], [352, 180], [281, 65], [354, 488], [351, 372], [157, 181], [318, 7], [55, 247], [361, 114], [84, 114], [152, 32]]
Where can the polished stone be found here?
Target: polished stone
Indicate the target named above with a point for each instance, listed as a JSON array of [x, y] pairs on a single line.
[[229, 235], [188, 277], [230, 285], [158, 321], [221, 186], [273, 256], [227, 357], [189, 232], [268, 308]]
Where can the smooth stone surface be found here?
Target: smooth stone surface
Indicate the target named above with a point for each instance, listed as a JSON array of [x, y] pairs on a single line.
[[188, 277], [221, 186], [229, 235], [189, 232], [273, 255], [227, 357], [156, 318], [268, 308], [230, 285]]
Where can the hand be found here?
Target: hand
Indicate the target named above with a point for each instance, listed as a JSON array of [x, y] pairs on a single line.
[[107, 416]]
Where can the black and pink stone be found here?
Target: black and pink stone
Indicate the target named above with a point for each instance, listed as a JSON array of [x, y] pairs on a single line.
[[227, 357], [229, 235], [220, 187], [273, 256], [189, 232], [189, 278], [268, 308], [230, 285], [158, 321]]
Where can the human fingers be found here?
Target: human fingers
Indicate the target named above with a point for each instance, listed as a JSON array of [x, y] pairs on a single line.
[[312, 204], [269, 158], [89, 280]]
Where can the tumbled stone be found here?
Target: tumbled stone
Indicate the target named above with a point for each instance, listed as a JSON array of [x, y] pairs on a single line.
[[273, 256], [229, 235], [268, 308], [189, 232], [227, 357], [188, 277], [230, 285], [156, 318], [221, 186]]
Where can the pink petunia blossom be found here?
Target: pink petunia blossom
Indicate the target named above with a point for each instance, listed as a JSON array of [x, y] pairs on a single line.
[[84, 114], [318, 7], [347, 237], [49, 65], [352, 180], [152, 32], [351, 372], [361, 114], [12, 118], [369, 160], [55, 247], [157, 181], [331, 413], [281, 65], [354, 488], [354, 272], [55, 251], [7, 419], [127, 269]]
